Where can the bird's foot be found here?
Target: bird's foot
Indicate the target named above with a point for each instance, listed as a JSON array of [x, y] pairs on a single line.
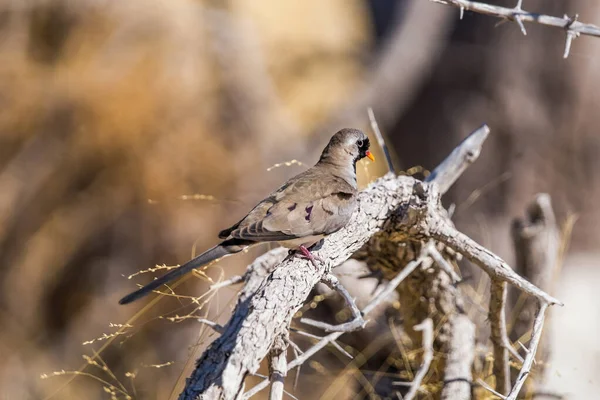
[[305, 253]]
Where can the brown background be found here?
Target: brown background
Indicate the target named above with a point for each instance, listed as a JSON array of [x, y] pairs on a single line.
[[107, 105]]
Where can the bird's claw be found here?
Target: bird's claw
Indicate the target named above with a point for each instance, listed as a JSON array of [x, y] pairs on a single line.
[[305, 253]]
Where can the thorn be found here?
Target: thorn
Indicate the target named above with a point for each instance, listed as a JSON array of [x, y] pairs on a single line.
[[462, 12], [501, 22], [571, 35], [519, 4], [520, 23], [451, 210]]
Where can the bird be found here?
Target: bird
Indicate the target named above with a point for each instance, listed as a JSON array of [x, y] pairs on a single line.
[[306, 208]]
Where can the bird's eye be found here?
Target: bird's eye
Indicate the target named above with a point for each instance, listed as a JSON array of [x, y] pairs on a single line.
[[360, 143]]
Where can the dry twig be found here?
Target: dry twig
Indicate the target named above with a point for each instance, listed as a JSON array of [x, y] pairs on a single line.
[[427, 328], [571, 25], [536, 335]]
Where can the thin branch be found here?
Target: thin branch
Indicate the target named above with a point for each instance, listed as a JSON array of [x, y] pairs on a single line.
[[391, 286], [215, 327], [497, 317], [260, 386], [442, 263], [357, 321], [536, 335], [380, 140], [571, 25], [493, 265], [231, 281], [427, 327], [490, 389], [333, 343]]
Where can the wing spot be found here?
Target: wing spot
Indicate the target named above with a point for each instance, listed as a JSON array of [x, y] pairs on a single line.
[[308, 213]]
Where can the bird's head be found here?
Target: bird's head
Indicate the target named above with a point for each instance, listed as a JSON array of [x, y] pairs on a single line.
[[347, 145]]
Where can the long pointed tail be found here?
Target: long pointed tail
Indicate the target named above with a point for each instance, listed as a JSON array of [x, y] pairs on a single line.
[[226, 248]]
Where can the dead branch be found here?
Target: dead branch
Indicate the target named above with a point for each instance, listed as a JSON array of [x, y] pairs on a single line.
[[357, 320], [427, 328], [536, 240], [497, 317], [277, 368], [536, 335], [493, 265], [402, 207], [461, 353], [571, 25]]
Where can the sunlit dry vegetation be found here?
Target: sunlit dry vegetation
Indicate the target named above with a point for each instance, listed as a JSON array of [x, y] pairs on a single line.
[[131, 132]]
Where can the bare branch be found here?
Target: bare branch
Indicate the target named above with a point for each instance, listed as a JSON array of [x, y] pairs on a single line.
[[495, 267], [490, 389], [525, 16], [455, 164], [277, 368], [497, 317], [403, 208], [228, 282], [357, 320], [537, 244], [573, 27], [260, 386], [459, 361], [441, 262], [427, 328], [333, 343], [536, 335]]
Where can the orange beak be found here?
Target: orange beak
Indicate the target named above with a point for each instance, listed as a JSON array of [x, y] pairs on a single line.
[[370, 156]]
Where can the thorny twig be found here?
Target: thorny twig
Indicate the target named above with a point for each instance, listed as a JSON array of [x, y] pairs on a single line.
[[571, 25]]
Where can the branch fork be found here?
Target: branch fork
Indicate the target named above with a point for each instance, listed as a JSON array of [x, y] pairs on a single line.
[[398, 205]]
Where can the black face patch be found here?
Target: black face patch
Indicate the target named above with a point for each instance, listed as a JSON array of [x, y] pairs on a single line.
[[308, 212], [363, 146], [344, 196]]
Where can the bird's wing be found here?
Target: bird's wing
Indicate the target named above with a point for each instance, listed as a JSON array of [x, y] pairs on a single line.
[[312, 203]]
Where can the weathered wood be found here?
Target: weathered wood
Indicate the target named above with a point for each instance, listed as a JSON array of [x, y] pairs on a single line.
[[460, 355], [400, 206], [536, 240]]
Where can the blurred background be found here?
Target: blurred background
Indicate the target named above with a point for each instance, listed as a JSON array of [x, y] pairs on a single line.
[[131, 132]]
